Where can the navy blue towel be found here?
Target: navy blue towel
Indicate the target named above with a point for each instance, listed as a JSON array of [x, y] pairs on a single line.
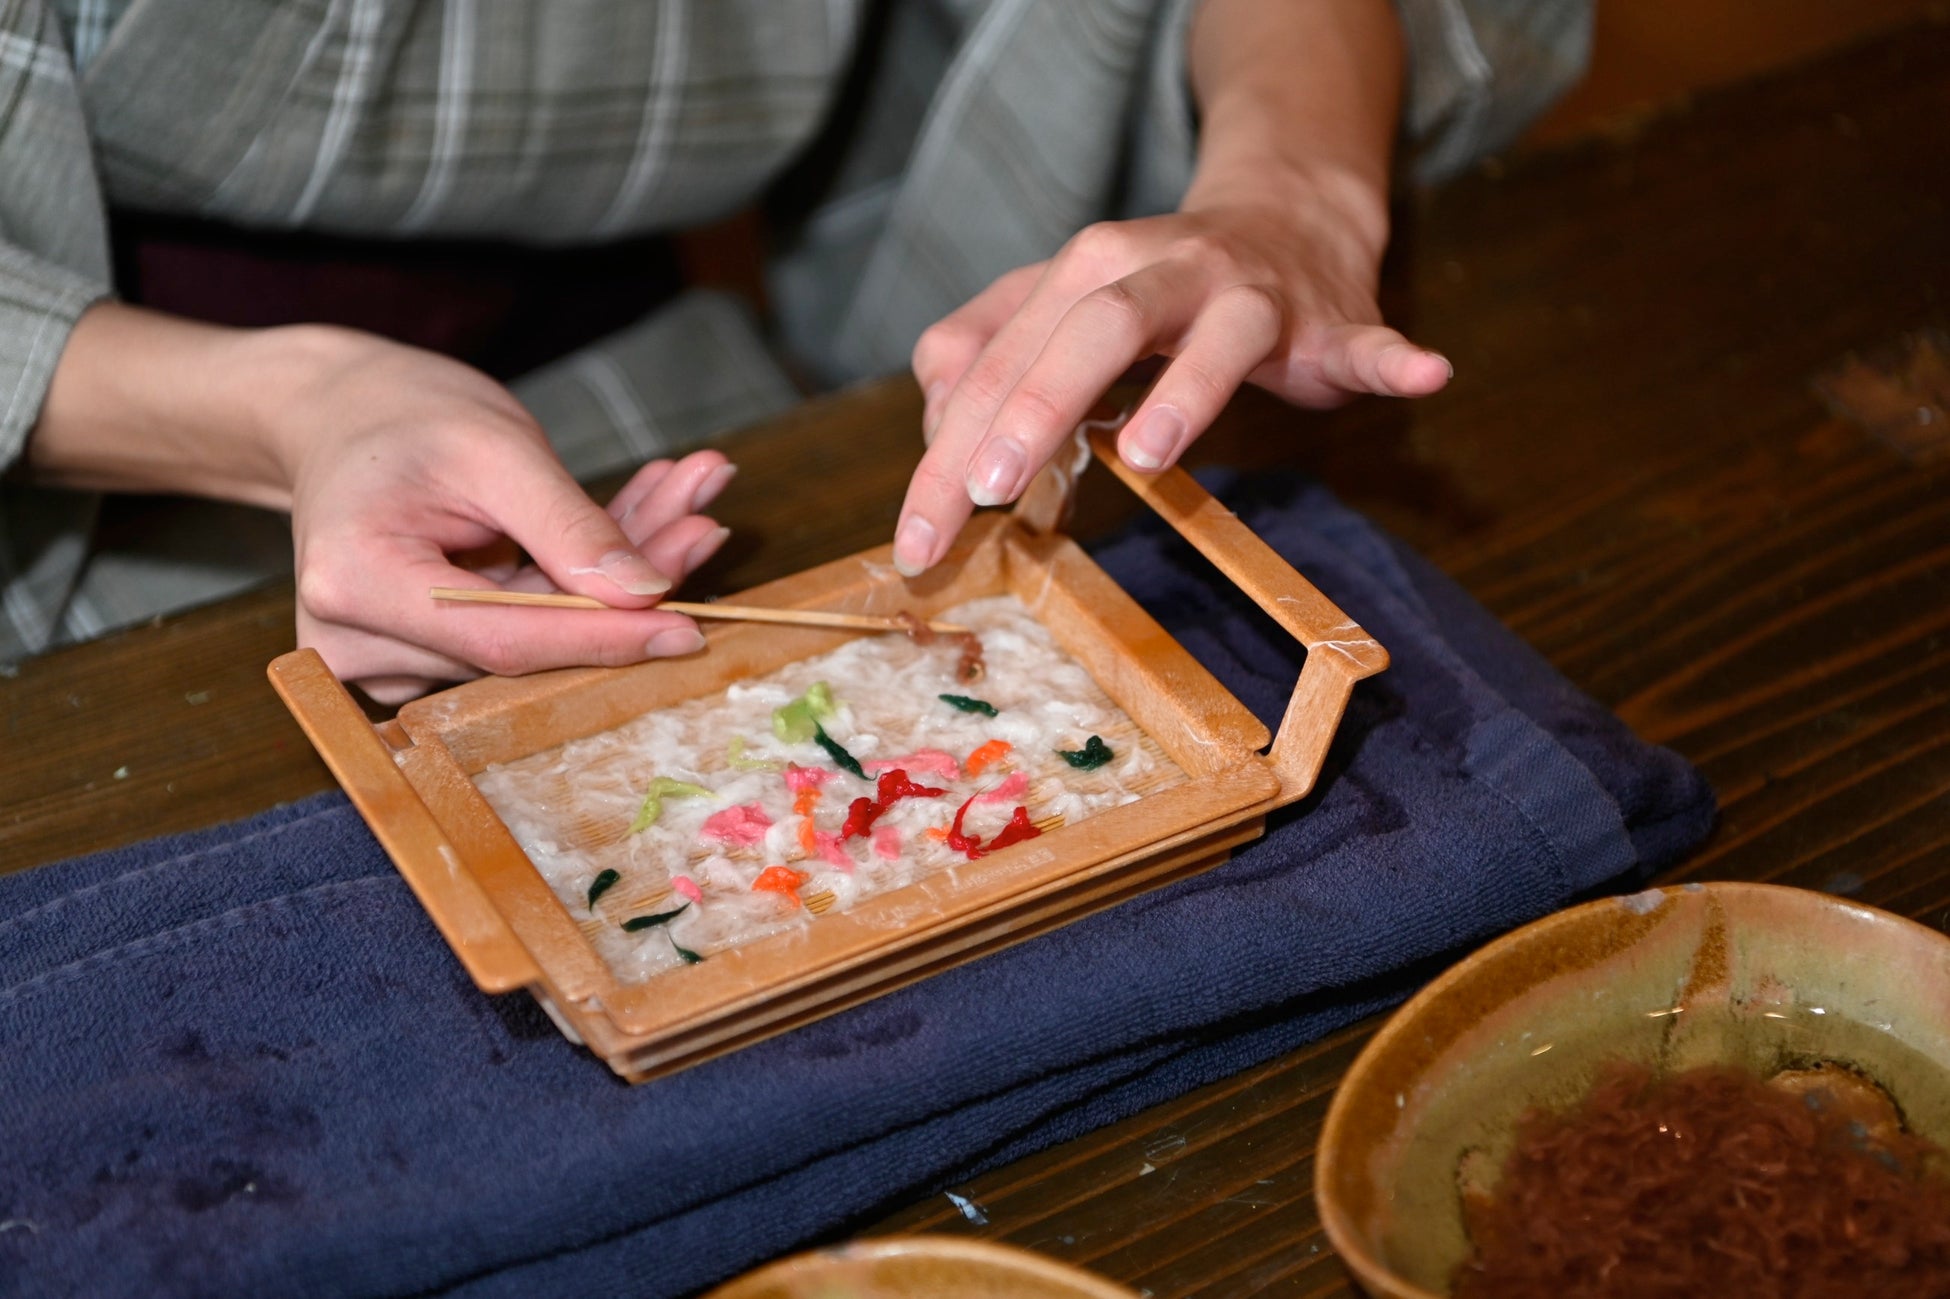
[[241, 1062]]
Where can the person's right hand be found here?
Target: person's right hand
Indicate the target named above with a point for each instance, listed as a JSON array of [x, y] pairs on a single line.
[[400, 459], [392, 461]]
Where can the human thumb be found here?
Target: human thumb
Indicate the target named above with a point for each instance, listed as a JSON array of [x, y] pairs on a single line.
[[578, 544]]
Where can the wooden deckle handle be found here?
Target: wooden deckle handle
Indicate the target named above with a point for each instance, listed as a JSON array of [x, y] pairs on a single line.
[[420, 849], [1339, 653]]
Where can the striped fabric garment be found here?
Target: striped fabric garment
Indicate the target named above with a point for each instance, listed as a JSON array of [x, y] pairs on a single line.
[[984, 133]]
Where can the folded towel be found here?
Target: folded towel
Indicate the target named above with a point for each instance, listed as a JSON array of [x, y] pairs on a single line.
[[241, 1062]]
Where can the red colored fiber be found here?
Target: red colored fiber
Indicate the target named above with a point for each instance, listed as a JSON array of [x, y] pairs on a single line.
[[893, 786], [1018, 829]]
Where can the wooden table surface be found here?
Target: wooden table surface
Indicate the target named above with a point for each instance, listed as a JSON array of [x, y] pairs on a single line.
[[1696, 451]]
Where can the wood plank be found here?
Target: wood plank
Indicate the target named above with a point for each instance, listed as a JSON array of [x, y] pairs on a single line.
[[147, 732], [1650, 58]]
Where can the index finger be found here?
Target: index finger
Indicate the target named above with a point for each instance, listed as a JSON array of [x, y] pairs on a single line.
[[988, 458], [507, 641]]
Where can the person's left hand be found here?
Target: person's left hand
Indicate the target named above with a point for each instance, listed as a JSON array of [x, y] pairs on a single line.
[[1234, 292], [660, 510]]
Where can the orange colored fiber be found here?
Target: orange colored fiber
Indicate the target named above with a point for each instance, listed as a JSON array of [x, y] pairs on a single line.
[[989, 753], [782, 880]]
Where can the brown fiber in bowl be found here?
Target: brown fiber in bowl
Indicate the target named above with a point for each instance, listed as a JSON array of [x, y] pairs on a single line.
[[1712, 1181]]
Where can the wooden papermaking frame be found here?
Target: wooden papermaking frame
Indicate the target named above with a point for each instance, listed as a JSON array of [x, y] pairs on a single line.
[[411, 778]]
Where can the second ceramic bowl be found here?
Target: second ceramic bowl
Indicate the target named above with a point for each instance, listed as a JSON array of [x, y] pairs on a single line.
[[910, 1267]]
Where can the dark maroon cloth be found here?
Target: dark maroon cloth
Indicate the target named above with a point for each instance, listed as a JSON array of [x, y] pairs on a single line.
[[504, 308]]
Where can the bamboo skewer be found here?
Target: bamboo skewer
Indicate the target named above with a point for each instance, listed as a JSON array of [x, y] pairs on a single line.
[[727, 612]]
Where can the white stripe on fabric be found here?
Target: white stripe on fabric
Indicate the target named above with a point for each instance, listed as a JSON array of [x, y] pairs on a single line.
[[83, 621], [24, 54], [90, 31], [13, 600], [32, 614], [839, 27], [241, 171], [450, 111], [1460, 35], [612, 391], [660, 111], [361, 34], [29, 619], [938, 131], [32, 365]]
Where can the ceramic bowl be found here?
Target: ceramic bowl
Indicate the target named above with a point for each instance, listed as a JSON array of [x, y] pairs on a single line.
[[910, 1267], [1750, 974]]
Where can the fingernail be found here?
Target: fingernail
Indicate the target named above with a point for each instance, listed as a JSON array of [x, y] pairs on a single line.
[[931, 410], [1156, 439], [914, 546], [1447, 363], [632, 573], [998, 471], [673, 641], [706, 547], [707, 491]]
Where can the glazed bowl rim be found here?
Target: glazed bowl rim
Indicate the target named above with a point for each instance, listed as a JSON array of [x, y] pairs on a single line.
[[939, 1245]]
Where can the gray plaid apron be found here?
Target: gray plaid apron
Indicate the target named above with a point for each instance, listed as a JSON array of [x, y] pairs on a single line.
[[987, 132]]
